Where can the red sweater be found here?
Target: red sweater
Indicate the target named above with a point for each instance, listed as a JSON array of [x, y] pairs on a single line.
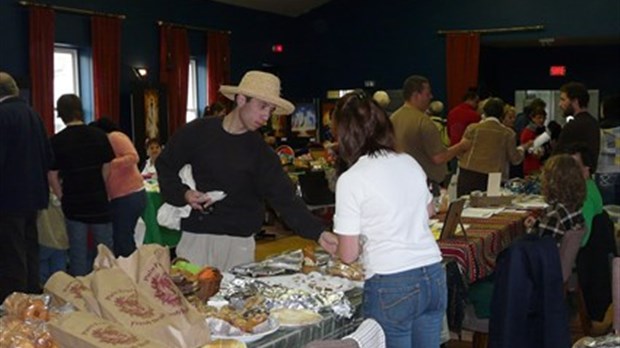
[[124, 176], [531, 163], [459, 118]]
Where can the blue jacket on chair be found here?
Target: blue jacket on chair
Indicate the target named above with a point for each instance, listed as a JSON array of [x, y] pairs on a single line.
[[528, 308]]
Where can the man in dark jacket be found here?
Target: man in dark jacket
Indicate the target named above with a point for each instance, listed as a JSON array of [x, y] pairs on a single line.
[[25, 155], [583, 127]]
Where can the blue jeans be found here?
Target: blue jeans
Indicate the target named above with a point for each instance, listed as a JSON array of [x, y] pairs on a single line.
[[78, 244], [125, 213], [51, 261], [609, 185], [409, 305]]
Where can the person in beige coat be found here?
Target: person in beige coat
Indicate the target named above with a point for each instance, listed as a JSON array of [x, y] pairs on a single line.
[[493, 145]]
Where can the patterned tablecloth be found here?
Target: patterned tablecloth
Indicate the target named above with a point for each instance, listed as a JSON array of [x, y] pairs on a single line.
[[331, 327], [486, 239]]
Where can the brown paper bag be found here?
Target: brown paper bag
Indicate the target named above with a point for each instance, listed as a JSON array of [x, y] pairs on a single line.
[[153, 280], [124, 302], [85, 330], [67, 289], [148, 267], [146, 256]]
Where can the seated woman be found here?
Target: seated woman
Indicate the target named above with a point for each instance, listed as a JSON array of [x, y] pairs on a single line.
[[564, 189], [153, 149], [383, 202]]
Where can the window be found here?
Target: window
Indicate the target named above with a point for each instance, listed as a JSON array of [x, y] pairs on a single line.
[[65, 78], [192, 88]]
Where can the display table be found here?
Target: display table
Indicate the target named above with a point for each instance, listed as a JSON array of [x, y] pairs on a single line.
[[331, 327], [486, 239]]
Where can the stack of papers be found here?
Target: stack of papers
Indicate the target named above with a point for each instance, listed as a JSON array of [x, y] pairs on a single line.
[[481, 213], [530, 202]]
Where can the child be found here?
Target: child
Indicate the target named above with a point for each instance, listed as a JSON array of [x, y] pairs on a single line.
[[153, 149]]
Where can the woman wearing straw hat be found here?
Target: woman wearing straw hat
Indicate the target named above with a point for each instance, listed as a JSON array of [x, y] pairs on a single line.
[[227, 154]]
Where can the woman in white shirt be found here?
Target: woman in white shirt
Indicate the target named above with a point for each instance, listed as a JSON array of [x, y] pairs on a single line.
[[382, 210]]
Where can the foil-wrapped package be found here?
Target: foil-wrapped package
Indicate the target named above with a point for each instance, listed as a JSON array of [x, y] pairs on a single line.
[[598, 342], [277, 296], [256, 270]]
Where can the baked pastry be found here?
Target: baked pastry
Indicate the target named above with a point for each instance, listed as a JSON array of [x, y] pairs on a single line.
[[296, 317], [26, 307], [309, 256], [225, 343]]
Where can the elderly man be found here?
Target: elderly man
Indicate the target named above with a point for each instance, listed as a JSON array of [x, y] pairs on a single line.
[[417, 135], [228, 154], [583, 128], [25, 155]]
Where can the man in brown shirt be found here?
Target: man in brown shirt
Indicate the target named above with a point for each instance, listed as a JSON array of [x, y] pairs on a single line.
[[417, 135]]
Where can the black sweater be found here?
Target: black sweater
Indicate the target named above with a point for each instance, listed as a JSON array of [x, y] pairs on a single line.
[[25, 156], [244, 167]]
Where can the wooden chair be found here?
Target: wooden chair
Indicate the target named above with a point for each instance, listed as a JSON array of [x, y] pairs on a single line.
[[480, 327]]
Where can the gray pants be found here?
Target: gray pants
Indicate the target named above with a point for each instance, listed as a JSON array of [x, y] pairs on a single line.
[[220, 251]]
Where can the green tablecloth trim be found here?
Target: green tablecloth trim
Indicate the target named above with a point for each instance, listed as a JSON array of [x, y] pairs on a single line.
[[156, 234]]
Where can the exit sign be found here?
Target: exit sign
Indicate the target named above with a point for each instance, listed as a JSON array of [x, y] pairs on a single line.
[[557, 70]]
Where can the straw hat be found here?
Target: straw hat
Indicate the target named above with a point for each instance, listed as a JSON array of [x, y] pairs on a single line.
[[263, 86]]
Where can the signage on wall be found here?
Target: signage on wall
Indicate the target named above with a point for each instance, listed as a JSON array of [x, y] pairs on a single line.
[[277, 48], [557, 70]]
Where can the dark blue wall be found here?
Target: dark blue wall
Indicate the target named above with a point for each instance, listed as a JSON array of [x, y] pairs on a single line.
[[346, 42], [503, 69], [253, 34]]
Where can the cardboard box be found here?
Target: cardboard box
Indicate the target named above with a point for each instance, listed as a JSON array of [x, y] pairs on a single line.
[[486, 201]]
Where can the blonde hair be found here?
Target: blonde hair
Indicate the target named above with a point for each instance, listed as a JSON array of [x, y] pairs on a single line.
[[509, 108]]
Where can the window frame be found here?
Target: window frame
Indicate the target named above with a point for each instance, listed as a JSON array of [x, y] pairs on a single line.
[[73, 52], [191, 112]]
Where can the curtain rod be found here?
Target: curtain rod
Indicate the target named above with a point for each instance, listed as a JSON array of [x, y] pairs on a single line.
[[191, 27], [71, 9], [493, 30]]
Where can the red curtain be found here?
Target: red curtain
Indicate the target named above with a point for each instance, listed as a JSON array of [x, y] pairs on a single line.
[[106, 41], [173, 73], [462, 58], [41, 44], [218, 63]]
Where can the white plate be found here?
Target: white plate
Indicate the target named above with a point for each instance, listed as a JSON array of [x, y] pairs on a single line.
[[273, 326]]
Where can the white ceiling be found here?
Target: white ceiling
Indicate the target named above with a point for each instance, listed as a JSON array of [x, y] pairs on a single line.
[[291, 8]]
